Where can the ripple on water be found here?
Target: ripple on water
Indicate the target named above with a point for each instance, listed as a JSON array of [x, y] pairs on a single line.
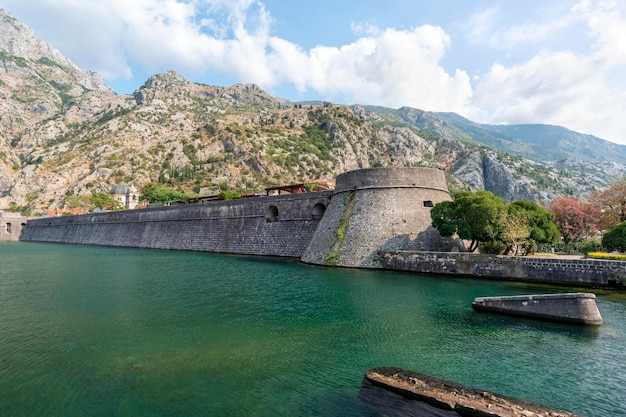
[[124, 332]]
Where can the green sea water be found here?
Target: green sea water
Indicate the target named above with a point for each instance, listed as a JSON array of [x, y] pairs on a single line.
[[96, 331]]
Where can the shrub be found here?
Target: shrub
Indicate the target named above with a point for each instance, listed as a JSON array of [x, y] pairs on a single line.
[[615, 239], [492, 247], [228, 195], [607, 256], [593, 245]]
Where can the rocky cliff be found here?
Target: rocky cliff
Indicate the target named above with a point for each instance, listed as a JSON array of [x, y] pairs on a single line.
[[63, 132]]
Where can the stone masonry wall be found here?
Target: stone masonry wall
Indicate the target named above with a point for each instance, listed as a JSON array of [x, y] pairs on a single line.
[[376, 209], [11, 225], [274, 226], [571, 272]]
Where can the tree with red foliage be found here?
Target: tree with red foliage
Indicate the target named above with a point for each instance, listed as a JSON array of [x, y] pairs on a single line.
[[612, 205], [575, 220]]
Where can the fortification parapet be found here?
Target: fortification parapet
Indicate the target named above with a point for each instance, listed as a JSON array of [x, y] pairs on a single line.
[[386, 178], [11, 225], [376, 209], [272, 226]]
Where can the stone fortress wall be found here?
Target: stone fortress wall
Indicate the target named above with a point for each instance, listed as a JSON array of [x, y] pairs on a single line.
[[372, 209], [570, 272], [377, 209], [272, 226], [11, 225], [375, 218]]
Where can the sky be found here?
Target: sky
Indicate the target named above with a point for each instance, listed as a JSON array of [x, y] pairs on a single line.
[[559, 62]]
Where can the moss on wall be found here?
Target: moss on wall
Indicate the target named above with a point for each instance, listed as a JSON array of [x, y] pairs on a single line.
[[337, 245]]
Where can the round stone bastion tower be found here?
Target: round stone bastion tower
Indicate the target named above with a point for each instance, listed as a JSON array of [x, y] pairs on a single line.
[[378, 209]]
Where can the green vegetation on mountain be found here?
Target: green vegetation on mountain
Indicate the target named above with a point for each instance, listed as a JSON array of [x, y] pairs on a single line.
[[64, 133]]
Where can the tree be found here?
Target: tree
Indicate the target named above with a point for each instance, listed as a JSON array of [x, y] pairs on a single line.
[[615, 239], [474, 216], [161, 194], [444, 218], [103, 199], [611, 203], [575, 220], [515, 233], [482, 212], [543, 230]]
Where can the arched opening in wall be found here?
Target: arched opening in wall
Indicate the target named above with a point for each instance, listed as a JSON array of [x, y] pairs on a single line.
[[318, 211], [8, 227], [271, 214]]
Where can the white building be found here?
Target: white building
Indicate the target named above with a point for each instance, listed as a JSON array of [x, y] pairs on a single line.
[[126, 194]]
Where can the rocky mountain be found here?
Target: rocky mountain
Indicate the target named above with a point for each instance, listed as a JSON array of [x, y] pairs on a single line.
[[63, 132], [531, 162], [543, 143]]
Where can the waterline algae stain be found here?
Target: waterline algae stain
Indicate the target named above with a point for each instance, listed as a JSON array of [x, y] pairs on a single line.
[[128, 332]]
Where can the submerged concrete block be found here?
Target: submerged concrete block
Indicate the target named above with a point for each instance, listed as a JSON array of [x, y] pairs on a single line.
[[464, 400], [569, 307]]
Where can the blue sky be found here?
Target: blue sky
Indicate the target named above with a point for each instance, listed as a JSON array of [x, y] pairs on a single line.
[[558, 62]]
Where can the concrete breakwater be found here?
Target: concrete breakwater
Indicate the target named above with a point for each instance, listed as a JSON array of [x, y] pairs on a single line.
[[571, 272], [579, 308]]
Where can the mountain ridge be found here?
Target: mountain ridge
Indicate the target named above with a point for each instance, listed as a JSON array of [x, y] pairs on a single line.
[[546, 142], [63, 132]]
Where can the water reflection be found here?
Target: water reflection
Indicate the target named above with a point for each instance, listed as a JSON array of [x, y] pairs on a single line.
[[125, 332], [384, 403]]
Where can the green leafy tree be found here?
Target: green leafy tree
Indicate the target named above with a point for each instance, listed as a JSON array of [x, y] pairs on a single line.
[[543, 230], [161, 194], [102, 199], [25, 210], [482, 212], [228, 195], [515, 232], [473, 216], [445, 220], [615, 239]]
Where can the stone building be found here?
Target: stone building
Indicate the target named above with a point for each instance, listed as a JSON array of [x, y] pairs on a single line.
[[126, 195], [11, 225]]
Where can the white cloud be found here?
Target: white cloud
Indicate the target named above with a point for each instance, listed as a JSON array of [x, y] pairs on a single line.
[[384, 66], [531, 32], [546, 86], [498, 29], [581, 91], [199, 37], [391, 68], [480, 25]]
